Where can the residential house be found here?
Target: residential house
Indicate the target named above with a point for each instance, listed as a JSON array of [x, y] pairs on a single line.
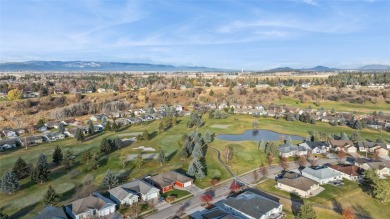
[[145, 191], [6, 144], [10, 133], [321, 175], [366, 146], [345, 145], [253, 206], [299, 185], [32, 140], [122, 195], [72, 122], [93, 206], [54, 136], [167, 180], [51, 212], [42, 128], [288, 150], [350, 172], [382, 168], [316, 147], [97, 117], [98, 128]]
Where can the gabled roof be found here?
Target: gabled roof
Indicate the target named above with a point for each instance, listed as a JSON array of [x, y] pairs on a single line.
[[251, 204], [315, 144], [320, 173], [170, 177], [347, 169], [297, 181], [379, 165], [121, 193], [91, 202], [367, 144], [341, 143], [135, 187]]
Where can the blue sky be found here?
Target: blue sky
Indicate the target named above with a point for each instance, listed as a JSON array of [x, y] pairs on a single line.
[[235, 34]]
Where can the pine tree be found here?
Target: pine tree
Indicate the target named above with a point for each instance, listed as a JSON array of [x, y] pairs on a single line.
[[183, 153], [50, 197], [108, 126], [358, 125], [262, 145], [92, 163], [110, 180], [104, 120], [306, 212], [355, 136], [69, 159], [79, 135], [139, 160], [21, 169], [105, 146], [161, 157], [114, 127], [191, 169], [9, 183], [91, 128], [207, 137], [289, 140], [344, 136], [118, 143], [3, 216], [61, 128], [40, 174], [188, 145], [198, 151], [199, 170], [57, 155]]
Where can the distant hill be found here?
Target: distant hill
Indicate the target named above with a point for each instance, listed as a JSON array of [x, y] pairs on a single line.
[[375, 68], [95, 66], [319, 68]]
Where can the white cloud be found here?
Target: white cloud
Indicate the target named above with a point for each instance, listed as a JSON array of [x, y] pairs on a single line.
[[310, 2]]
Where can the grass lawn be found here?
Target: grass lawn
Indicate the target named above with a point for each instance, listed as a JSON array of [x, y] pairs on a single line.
[[246, 156], [348, 196], [339, 105], [177, 193]]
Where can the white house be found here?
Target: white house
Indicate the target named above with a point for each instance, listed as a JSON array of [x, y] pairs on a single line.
[[319, 147], [349, 172], [299, 185], [253, 206], [92, 206], [321, 175], [125, 193]]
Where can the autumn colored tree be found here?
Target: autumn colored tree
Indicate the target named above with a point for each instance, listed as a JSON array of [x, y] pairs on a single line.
[[270, 159], [14, 94], [228, 153], [301, 161], [213, 182], [206, 198], [348, 213], [340, 156], [284, 163], [235, 187]]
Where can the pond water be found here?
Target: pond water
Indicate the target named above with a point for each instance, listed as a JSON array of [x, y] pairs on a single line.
[[257, 135]]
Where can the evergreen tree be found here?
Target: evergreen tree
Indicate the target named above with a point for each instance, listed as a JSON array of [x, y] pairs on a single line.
[[379, 140], [183, 153], [381, 191], [3, 216], [61, 128], [105, 146], [21, 169], [262, 145], [199, 170], [289, 140], [87, 155], [308, 138], [69, 159], [358, 125], [40, 174], [188, 145], [104, 121], [108, 126], [191, 169], [344, 136], [211, 93], [91, 128], [193, 134], [145, 135], [271, 149], [92, 163], [79, 135], [306, 212], [207, 137], [109, 180], [57, 155], [355, 136], [118, 143], [9, 183], [198, 151], [114, 127], [139, 160], [50, 197], [161, 157]]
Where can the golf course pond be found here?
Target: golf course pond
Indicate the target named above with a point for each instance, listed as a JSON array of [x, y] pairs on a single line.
[[257, 135]]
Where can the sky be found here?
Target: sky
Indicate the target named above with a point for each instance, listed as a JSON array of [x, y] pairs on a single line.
[[229, 34]]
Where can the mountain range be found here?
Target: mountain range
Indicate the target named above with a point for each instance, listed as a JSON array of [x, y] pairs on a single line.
[[124, 66]]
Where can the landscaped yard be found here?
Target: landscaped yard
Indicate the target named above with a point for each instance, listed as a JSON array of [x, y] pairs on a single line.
[[348, 196], [246, 156], [177, 193]]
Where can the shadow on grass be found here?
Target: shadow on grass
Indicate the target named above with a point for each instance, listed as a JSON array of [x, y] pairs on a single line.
[[361, 213], [24, 211], [91, 137], [125, 175], [171, 155], [152, 135], [296, 203], [336, 206]]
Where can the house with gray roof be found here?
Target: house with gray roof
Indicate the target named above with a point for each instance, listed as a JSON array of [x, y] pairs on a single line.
[[92, 206], [316, 147], [253, 206], [321, 175], [382, 168], [125, 194], [370, 147], [288, 150], [51, 213], [295, 183]]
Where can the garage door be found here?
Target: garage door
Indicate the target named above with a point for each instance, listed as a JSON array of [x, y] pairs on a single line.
[[187, 184]]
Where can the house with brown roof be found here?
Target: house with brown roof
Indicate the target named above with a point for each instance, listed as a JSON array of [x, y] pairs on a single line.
[[299, 185], [93, 206], [350, 172], [344, 145], [167, 180]]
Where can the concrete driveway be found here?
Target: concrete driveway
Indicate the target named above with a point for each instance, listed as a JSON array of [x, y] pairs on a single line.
[[193, 189]]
